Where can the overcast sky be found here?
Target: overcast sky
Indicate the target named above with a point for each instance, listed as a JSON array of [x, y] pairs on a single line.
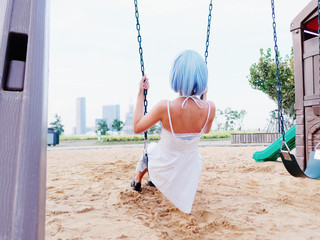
[[94, 51]]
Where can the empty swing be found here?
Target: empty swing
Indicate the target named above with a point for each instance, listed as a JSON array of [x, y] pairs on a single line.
[[313, 166]]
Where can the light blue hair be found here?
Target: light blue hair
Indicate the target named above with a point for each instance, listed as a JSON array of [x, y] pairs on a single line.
[[189, 74]]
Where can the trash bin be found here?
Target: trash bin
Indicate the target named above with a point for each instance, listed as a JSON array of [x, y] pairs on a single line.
[[53, 137], [56, 137]]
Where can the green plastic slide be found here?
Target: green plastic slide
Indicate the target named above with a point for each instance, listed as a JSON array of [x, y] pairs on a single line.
[[271, 153]]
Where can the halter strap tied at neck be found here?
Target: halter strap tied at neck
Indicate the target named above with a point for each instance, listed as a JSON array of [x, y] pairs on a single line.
[[195, 99]]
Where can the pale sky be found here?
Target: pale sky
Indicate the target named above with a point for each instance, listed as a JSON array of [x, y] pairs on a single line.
[[94, 51]]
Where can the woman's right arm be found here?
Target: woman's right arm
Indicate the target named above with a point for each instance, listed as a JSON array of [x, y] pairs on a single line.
[[143, 122]]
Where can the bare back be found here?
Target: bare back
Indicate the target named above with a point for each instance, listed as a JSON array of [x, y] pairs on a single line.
[[189, 118]]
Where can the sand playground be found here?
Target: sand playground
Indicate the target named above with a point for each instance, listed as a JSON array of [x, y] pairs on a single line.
[[89, 197]]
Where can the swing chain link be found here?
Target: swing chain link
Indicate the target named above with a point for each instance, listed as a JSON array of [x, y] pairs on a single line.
[[208, 32], [138, 27], [278, 86]]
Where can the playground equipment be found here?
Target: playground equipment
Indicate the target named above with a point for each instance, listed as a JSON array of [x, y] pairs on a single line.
[[23, 118], [305, 32], [271, 153]]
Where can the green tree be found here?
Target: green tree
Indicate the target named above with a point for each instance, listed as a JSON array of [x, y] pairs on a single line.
[[152, 129], [219, 120], [117, 125], [155, 129], [274, 125], [263, 77], [103, 127], [233, 119], [57, 124]]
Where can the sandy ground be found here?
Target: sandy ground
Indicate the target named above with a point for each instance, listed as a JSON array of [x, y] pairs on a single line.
[[89, 197]]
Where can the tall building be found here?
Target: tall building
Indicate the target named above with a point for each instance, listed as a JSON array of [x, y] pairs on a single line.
[[128, 127], [110, 113], [81, 116]]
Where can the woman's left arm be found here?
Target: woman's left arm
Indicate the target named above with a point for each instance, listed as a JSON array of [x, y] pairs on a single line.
[[211, 117]]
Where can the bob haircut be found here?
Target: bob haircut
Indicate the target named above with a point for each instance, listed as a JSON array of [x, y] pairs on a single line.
[[189, 74]]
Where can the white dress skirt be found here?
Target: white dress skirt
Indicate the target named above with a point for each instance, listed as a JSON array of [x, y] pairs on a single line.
[[174, 166]]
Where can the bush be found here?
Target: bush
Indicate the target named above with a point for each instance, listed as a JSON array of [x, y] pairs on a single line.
[[129, 138], [138, 138], [212, 136]]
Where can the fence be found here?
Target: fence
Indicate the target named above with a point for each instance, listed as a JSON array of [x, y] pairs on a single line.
[[254, 137]]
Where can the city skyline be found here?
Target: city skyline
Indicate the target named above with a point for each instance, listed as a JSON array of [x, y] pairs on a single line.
[[109, 113]]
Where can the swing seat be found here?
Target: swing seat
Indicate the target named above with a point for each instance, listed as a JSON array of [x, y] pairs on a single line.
[[313, 167], [292, 166]]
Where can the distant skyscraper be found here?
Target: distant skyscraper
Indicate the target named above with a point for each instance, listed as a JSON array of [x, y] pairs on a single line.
[[110, 113], [128, 127], [81, 116]]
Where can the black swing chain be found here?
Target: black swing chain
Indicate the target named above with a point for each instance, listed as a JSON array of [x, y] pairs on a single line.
[[141, 62], [278, 86], [208, 32]]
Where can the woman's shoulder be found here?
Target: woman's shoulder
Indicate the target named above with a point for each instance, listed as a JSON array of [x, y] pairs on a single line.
[[212, 109], [161, 105], [211, 104]]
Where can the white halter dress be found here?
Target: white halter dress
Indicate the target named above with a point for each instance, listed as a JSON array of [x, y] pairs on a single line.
[[175, 164]]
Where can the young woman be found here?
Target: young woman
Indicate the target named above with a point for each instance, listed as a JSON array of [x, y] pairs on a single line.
[[174, 163]]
